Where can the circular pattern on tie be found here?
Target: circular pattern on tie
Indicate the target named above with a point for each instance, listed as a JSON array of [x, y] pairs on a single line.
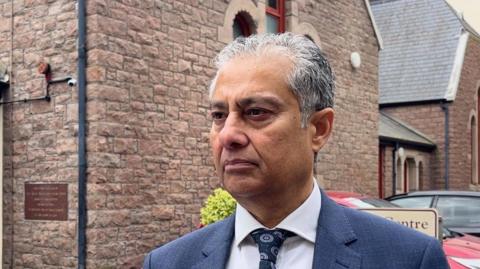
[[266, 238], [263, 256], [269, 243], [279, 234]]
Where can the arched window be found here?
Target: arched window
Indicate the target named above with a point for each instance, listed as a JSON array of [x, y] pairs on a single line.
[[275, 20], [240, 19], [411, 173], [241, 27], [407, 176]]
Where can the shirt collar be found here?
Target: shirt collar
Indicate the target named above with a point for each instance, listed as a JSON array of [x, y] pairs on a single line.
[[302, 221]]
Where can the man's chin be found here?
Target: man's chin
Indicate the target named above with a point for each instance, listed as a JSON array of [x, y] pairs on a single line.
[[244, 190]]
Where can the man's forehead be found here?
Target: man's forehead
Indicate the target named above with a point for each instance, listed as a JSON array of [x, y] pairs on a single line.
[[266, 66], [250, 79], [250, 60]]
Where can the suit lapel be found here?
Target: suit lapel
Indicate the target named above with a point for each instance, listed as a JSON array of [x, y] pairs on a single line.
[[334, 234], [217, 250]]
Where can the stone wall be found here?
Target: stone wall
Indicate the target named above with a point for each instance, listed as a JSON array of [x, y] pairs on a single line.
[[149, 166], [7, 216], [149, 65], [350, 159], [39, 136]]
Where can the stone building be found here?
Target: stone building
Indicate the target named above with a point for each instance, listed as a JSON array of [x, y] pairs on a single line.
[[148, 166], [429, 83]]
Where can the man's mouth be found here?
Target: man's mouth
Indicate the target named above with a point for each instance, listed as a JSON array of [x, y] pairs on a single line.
[[238, 165]]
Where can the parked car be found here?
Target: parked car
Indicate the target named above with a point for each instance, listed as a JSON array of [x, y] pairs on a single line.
[[460, 210], [356, 200], [462, 251]]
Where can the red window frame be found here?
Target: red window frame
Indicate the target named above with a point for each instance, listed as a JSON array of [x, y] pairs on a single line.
[[279, 13]]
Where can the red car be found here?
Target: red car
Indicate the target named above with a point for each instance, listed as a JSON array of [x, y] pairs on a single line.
[[462, 251]]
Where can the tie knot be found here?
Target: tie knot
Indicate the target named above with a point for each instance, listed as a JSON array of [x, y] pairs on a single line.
[[269, 242]]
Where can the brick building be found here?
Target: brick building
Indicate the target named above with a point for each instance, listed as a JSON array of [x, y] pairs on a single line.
[[429, 81], [149, 64]]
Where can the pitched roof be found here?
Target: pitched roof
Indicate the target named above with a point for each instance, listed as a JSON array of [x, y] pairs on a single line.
[[422, 40], [392, 129]]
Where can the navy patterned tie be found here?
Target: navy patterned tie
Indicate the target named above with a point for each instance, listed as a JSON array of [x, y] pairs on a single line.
[[269, 243]]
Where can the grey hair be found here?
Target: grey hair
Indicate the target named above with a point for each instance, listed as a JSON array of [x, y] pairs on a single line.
[[311, 80]]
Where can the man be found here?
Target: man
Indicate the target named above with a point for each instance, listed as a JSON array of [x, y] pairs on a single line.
[[271, 109]]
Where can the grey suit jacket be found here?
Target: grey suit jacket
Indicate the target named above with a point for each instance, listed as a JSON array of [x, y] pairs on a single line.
[[346, 238]]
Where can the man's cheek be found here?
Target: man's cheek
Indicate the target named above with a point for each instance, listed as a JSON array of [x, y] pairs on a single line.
[[217, 155]]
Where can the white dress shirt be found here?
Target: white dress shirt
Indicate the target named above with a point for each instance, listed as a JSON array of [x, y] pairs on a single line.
[[296, 251]]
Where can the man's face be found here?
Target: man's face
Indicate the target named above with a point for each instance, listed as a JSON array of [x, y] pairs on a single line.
[[258, 145]]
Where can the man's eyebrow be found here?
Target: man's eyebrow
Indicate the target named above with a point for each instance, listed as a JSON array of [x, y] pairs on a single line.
[[269, 100], [218, 105]]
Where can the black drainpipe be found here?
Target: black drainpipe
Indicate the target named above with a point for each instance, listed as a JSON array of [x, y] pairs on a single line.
[[394, 169], [82, 163], [447, 143]]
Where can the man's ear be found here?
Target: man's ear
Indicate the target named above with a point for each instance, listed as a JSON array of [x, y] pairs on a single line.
[[321, 123]]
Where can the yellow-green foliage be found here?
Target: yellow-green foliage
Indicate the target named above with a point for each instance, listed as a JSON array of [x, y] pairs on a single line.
[[219, 205]]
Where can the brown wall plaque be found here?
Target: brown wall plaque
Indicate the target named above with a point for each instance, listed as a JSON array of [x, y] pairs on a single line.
[[46, 201]]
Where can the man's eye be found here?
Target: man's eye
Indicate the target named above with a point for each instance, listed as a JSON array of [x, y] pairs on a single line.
[[257, 113], [217, 115]]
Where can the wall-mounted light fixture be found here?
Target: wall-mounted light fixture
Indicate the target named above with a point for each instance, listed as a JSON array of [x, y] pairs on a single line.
[[401, 152], [44, 69], [355, 60], [68, 79]]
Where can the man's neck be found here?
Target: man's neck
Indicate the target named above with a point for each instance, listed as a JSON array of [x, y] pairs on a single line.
[[270, 212]]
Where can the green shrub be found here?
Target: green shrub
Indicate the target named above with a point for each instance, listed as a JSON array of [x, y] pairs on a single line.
[[219, 205]]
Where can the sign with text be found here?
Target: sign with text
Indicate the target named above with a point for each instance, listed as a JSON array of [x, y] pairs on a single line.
[[423, 220], [46, 201]]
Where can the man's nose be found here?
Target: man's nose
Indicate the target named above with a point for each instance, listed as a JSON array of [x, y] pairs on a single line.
[[232, 135]]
